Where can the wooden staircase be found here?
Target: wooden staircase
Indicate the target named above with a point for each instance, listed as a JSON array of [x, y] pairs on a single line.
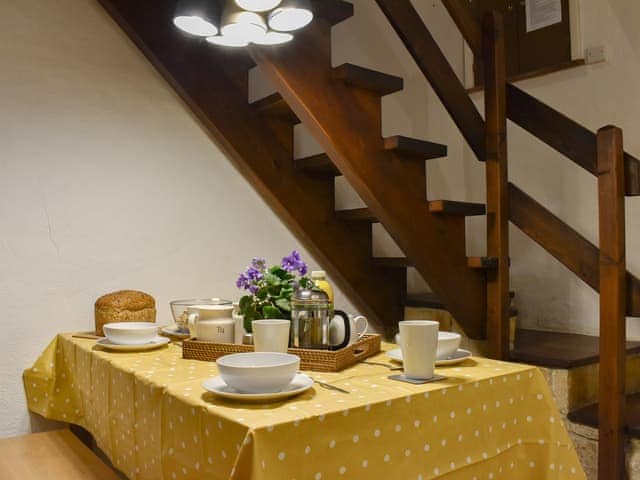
[[341, 108]]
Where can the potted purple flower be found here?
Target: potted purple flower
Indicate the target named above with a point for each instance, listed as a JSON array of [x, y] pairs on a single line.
[[270, 289]]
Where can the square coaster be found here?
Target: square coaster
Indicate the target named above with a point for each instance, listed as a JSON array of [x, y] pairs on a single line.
[[416, 381]]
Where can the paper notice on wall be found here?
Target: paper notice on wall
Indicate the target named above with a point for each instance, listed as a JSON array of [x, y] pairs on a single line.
[[542, 13]]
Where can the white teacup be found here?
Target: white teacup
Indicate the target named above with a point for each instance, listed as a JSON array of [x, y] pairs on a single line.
[[358, 324], [211, 323]]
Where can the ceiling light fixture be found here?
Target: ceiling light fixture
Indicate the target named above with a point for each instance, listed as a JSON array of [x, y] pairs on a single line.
[[258, 5], [291, 15], [225, 41], [197, 17], [274, 38], [240, 24]]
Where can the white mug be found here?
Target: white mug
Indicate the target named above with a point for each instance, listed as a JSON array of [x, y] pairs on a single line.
[[211, 323], [419, 343], [358, 324], [271, 335]]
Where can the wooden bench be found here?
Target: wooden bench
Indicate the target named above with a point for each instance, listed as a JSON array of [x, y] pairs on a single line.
[[50, 455]]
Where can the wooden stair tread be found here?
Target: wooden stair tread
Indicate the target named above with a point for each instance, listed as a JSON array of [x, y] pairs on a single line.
[[413, 147], [392, 262], [320, 164], [274, 106], [356, 215], [588, 415], [451, 207], [431, 300], [56, 454], [333, 11], [373, 80], [559, 350]]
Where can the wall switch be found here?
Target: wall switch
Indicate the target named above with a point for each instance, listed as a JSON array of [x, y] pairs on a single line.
[[594, 55]]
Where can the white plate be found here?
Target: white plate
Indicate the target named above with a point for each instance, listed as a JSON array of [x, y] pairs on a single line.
[[155, 343], [456, 357], [174, 332], [299, 384]]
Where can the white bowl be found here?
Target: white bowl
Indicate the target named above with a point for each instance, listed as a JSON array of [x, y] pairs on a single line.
[[448, 343], [258, 372], [131, 333]]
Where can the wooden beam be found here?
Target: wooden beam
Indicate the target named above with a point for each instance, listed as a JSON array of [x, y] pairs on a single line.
[[565, 244], [564, 135], [497, 191], [435, 67], [610, 156]]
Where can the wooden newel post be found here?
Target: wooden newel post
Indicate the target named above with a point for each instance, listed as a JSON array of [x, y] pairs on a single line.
[[497, 189], [611, 189]]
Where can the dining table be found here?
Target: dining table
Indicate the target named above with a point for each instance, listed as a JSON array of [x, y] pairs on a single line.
[[149, 413]]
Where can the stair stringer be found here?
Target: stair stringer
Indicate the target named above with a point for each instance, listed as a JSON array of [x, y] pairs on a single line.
[[346, 123]]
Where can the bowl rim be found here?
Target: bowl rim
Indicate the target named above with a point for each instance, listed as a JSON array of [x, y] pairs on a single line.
[[448, 335], [137, 326], [190, 302], [288, 359]]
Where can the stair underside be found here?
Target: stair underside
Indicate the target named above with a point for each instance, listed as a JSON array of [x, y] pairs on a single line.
[[415, 148], [558, 350], [589, 415]]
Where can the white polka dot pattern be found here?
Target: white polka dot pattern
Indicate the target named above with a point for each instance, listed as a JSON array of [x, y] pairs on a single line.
[[148, 412]]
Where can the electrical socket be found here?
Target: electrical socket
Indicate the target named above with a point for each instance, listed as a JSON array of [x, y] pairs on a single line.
[[594, 55]]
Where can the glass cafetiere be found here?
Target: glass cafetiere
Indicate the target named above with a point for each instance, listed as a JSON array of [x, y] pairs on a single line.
[[311, 313]]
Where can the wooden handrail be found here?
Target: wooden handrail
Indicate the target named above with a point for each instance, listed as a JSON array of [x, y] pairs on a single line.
[[611, 405], [496, 176], [565, 244], [552, 127], [564, 135], [436, 68]]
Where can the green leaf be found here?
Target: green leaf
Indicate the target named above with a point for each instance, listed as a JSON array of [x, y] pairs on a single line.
[[270, 311], [279, 272], [271, 279], [283, 304], [245, 303], [262, 293], [275, 290]]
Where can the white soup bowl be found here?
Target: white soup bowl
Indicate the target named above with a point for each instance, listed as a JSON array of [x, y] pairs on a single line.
[[258, 372], [448, 343], [131, 333]]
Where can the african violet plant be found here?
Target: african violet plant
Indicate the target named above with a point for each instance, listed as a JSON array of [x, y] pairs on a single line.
[[270, 289]]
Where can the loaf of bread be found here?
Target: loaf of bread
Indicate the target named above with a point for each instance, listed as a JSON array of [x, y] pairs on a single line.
[[124, 306]]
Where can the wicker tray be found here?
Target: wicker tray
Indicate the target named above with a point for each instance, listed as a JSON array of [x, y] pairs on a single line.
[[316, 360]]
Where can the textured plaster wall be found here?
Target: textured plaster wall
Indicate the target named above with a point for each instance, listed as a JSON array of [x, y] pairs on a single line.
[[106, 182]]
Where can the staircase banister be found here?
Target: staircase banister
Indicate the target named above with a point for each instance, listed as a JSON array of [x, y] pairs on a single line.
[[565, 244]]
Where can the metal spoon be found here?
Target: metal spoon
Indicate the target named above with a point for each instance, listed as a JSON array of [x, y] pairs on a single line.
[[380, 364]]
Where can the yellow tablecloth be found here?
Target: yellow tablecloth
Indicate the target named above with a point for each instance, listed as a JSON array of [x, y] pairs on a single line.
[[149, 413]]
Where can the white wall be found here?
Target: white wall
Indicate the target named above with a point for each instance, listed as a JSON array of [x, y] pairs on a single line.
[[106, 182]]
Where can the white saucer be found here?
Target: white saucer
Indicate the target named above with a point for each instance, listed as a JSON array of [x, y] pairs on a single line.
[[456, 357], [155, 343], [299, 384], [173, 331]]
